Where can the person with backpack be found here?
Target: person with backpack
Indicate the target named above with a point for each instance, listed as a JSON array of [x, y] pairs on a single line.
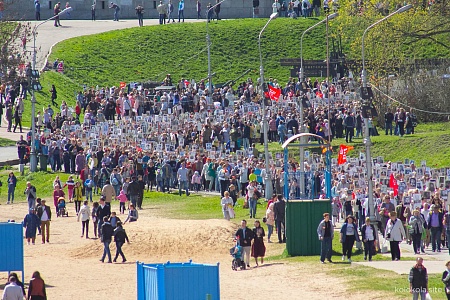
[[116, 181]]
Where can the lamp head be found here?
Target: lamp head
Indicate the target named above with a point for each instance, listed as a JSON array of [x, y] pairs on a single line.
[[273, 16], [404, 8], [332, 16]]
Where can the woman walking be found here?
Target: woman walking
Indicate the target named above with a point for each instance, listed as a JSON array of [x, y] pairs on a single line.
[[226, 203], [270, 221], [349, 234], [369, 236], [417, 228], [84, 215], [12, 182], [394, 233], [258, 247], [31, 222], [120, 236], [36, 289], [94, 217]]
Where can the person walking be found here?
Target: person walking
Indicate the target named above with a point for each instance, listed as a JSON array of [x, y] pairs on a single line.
[[84, 215], [348, 236], [369, 236], [258, 247], [325, 231], [244, 235], [9, 116], [30, 192], [12, 182], [93, 7], [418, 280], [36, 288], [12, 291], [183, 180], [116, 10], [446, 279], [106, 238], [140, 14], [103, 210], [279, 210], [120, 236], [435, 224], [199, 9], [162, 12], [170, 10], [350, 123], [417, 229], [31, 222], [37, 10], [180, 10], [54, 92], [217, 10], [45, 215], [95, 206], [56, 11], [17, 118], [394, 233], [226, 203]]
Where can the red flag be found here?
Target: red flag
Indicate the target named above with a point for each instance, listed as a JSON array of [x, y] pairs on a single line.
[[274, 93], [393, 184], [122, 84], [319, 94], [342, 156]]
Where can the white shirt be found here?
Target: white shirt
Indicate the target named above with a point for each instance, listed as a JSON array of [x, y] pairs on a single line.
[[225, 202], [251, 190], [12, 292], [369, 233], [44, 216]]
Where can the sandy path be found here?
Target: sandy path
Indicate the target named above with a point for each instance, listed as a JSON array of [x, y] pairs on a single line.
[[70, 264]]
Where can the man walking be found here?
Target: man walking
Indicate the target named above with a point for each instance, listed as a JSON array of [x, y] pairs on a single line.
[[134, 191], [106, 238], [181, 10], [37, 10], [279, 209], [183, 181], [30, 192], [45, 215], [326, 234], [199, 9], [418, 280], [244, 236], [162, 13], [388, 119], [21, 149], [435, 225], [104, 210], [170, 9], [140, 15], [350, 127]]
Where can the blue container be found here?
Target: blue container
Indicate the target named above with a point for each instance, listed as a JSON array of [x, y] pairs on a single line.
[[11, 248], [176, 281]]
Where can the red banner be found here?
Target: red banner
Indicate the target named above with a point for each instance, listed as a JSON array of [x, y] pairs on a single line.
[[274, 93], [393, 184], [342, 156], [123, 84]]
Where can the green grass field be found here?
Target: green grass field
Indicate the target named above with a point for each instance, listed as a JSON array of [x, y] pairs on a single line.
[[6, 142]]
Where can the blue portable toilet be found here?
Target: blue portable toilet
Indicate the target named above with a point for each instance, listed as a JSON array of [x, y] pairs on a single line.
[[175, 281], [11, 247]]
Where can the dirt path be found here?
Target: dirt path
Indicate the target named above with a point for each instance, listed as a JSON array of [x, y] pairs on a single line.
[[70, 264]]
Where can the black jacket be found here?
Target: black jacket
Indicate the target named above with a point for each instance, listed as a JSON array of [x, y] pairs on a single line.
[[103, 212], [120, 236], [40, 211], [279, 209], [249, 235], [417, 278], [363, 232], [107, 232], [134, 188]]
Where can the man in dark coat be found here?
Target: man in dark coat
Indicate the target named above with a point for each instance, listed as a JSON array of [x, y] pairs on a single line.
[[279, 210]]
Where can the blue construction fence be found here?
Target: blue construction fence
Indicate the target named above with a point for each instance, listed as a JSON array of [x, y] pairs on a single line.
[[175, 281], [11, 248]]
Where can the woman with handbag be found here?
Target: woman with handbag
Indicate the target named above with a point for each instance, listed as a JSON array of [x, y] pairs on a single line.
[[349, 234], [416, 222], [394, 233]]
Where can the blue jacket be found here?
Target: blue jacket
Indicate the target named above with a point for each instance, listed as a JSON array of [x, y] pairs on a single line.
[[344, 232]]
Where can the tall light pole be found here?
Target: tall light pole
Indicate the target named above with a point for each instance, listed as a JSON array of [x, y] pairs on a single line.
[[367, 141], [33, 156], [208, 45], [302, 128], [268, 179]]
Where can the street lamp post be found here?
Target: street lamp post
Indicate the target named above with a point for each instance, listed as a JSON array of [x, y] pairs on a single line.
[[367, 141], [268, 179], [33, 156], [208, 45], [302, 127]]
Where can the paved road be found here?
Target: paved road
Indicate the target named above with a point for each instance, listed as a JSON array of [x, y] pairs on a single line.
[[48, 35]]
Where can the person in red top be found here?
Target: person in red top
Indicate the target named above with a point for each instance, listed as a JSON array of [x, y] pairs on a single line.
[[58, 192], [36, 290]]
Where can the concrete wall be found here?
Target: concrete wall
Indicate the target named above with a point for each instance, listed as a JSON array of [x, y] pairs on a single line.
[[230, 9]]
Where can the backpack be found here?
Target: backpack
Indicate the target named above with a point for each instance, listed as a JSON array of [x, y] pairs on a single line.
[[90, 184], [115, 181]]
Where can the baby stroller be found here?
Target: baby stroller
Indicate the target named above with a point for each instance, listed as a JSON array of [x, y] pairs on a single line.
[[237, 262], [62, 211]]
